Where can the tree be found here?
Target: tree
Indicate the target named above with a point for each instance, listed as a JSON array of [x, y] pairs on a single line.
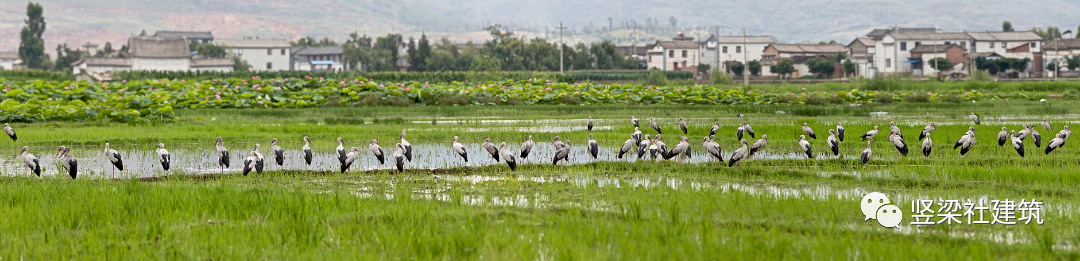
[[656, 78], [32, 47], [673, 21], [1007, 26], [413, 55], [108, 49], [754, 66], [310, 41], [940, 64], [1051, 66], [440, 61], [783, 67], [1072, 62], [240, 65], [850, 67], [208, 50], [65, 56], [703, 68], [837, 57], [821, 66], [736, 68], [484, 63], [424, 51]]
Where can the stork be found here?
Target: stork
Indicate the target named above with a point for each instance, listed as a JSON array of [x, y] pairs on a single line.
[[258, 159], [562, 154], [557, 143], [507, 156], [1054, 144], [1003, 136], [866, 154], [927, 130], [744, 128], [589, 123], [808, 131], [840, 132], [654, 126], [683, 148], [594, 148], [378, 151], [834, 145], [738, 155], [759, 145], [408, 147], [308, 154], [491, 150], [114, 158], [460, 149], [869, 135], [526, 147], [68, 162], [1046, 125], [31, 161], [1017, 144], [682, 125], [341, 150], [805, 147], [974, 118], [634, 121], [898, 142], [163, 157], [715, 128], [399, 157], [636, 135], [927, 146], [712, 148], [279, 154], [10, 132], [350, 157], [223, 154], [626, 147], [252, 162]]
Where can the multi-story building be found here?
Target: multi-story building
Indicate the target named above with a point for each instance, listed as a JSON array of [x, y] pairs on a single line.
[[678, 55], [719, 51], [153, 53], [261, 54], [320, 58]]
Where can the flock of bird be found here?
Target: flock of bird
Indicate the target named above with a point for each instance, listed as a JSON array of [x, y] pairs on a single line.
[[642, 145]]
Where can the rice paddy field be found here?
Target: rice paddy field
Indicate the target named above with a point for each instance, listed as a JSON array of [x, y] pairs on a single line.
[[777, 205]]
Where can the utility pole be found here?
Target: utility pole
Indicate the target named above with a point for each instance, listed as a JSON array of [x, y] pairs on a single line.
[[561, 48], [746, 60]]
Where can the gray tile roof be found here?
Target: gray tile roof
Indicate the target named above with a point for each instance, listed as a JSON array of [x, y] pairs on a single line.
[[318, 50], [1005, 36], [749, 39], [929, 36], [809, 48], [157, 47], [9, 55], [102, 61], [882, 32], [931, 48], [678, 44]]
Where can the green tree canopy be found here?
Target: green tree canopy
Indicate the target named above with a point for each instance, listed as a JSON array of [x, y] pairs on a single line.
[[940, 64], [850, 67], [821, 66], [783, 67], [754, 66], [32, 47], [1007, 26]]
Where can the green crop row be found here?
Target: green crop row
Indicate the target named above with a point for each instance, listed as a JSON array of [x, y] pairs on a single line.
[[626, 75]]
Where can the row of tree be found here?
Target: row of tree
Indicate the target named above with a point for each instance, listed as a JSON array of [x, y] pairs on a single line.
[[1050, 33]]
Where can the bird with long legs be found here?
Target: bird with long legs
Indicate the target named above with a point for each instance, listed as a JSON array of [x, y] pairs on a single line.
[[10, 132], [459, 149], [309, 155], [378, 151], [70, 164], [739, 154], [408, 147], [114, 158], [809, 132], [31, 161], [491, 150], [279, 153], [507, 156], [834, 144], [164, 158], [594, 148], [223, 154], [526, 147], [927, 130]]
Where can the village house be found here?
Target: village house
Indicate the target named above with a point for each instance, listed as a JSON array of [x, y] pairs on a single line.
[[878, 34], [318, 58], [927, 52], [153, 53], [678, 55], [7, 60], [1059, 49], [799, 54], [719, 51], [893, 52], [862, 54], [261, 54]]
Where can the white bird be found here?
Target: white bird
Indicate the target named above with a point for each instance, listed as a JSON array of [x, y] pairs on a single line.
[[1046, 125], [643, 147], [251, 163], [966, 142], [594, 148], [114, 158], [715, 128], [68, 162], [840, 132], [869, 135], [526, 147], [399, 157], [460, 149], [10, 132], [808, 131], [683, 148], [589, 123], [1023, 133], [927, 130], [1054, 144], [744, 128], [259, 160], [898, 142], [866, 154], [805, 147], [895, 130], [378, 151], [1035, 136], [1066, 131], [1003, 136], [713, 148], [557, 143], [223, 154], [738, 155], [491, 150], [974, 118], [562, 154], [682, 125], [279, 154], [1017, 144], [634, 121], [163, 157], [654, 125], [636, 135], [31, 161], [408, 147], [759, 145], [341, 150], [927, 146], [834, 145], [308, 153], [626, 147], [350, 157], [660, 147], [507, 156]]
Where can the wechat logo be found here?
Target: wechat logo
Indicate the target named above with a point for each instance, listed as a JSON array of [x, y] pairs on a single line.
[[877, 206]]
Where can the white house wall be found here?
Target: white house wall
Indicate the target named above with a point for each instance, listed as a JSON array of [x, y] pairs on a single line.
[[258, 58], [161, 64]]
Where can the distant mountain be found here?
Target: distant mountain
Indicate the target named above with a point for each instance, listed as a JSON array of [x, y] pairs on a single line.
[[98, 21]]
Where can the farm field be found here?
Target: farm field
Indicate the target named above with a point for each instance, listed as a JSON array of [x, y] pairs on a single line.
[[776, 205]]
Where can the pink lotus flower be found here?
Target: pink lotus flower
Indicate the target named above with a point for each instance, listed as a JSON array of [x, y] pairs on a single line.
[[381, 86], [237, 87], [159, 95], [277, 88], [211, 88], [321, 79], [121, 97], [102, 86], [597, 92], [120, 91], [65, 87], [7, 90], [197, 87], [804, 89], [181, 95], [258, 89], [170, 85], [530, 79], [217, 96], [151, 89], [346, 85], [125, 81], [547, 80], [547, 89], [218, 93], [207, 98], [341, 83], [750, 91], [406, 89], [182, 81]]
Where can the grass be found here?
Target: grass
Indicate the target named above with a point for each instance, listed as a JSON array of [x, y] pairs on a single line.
[[765, 210]]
